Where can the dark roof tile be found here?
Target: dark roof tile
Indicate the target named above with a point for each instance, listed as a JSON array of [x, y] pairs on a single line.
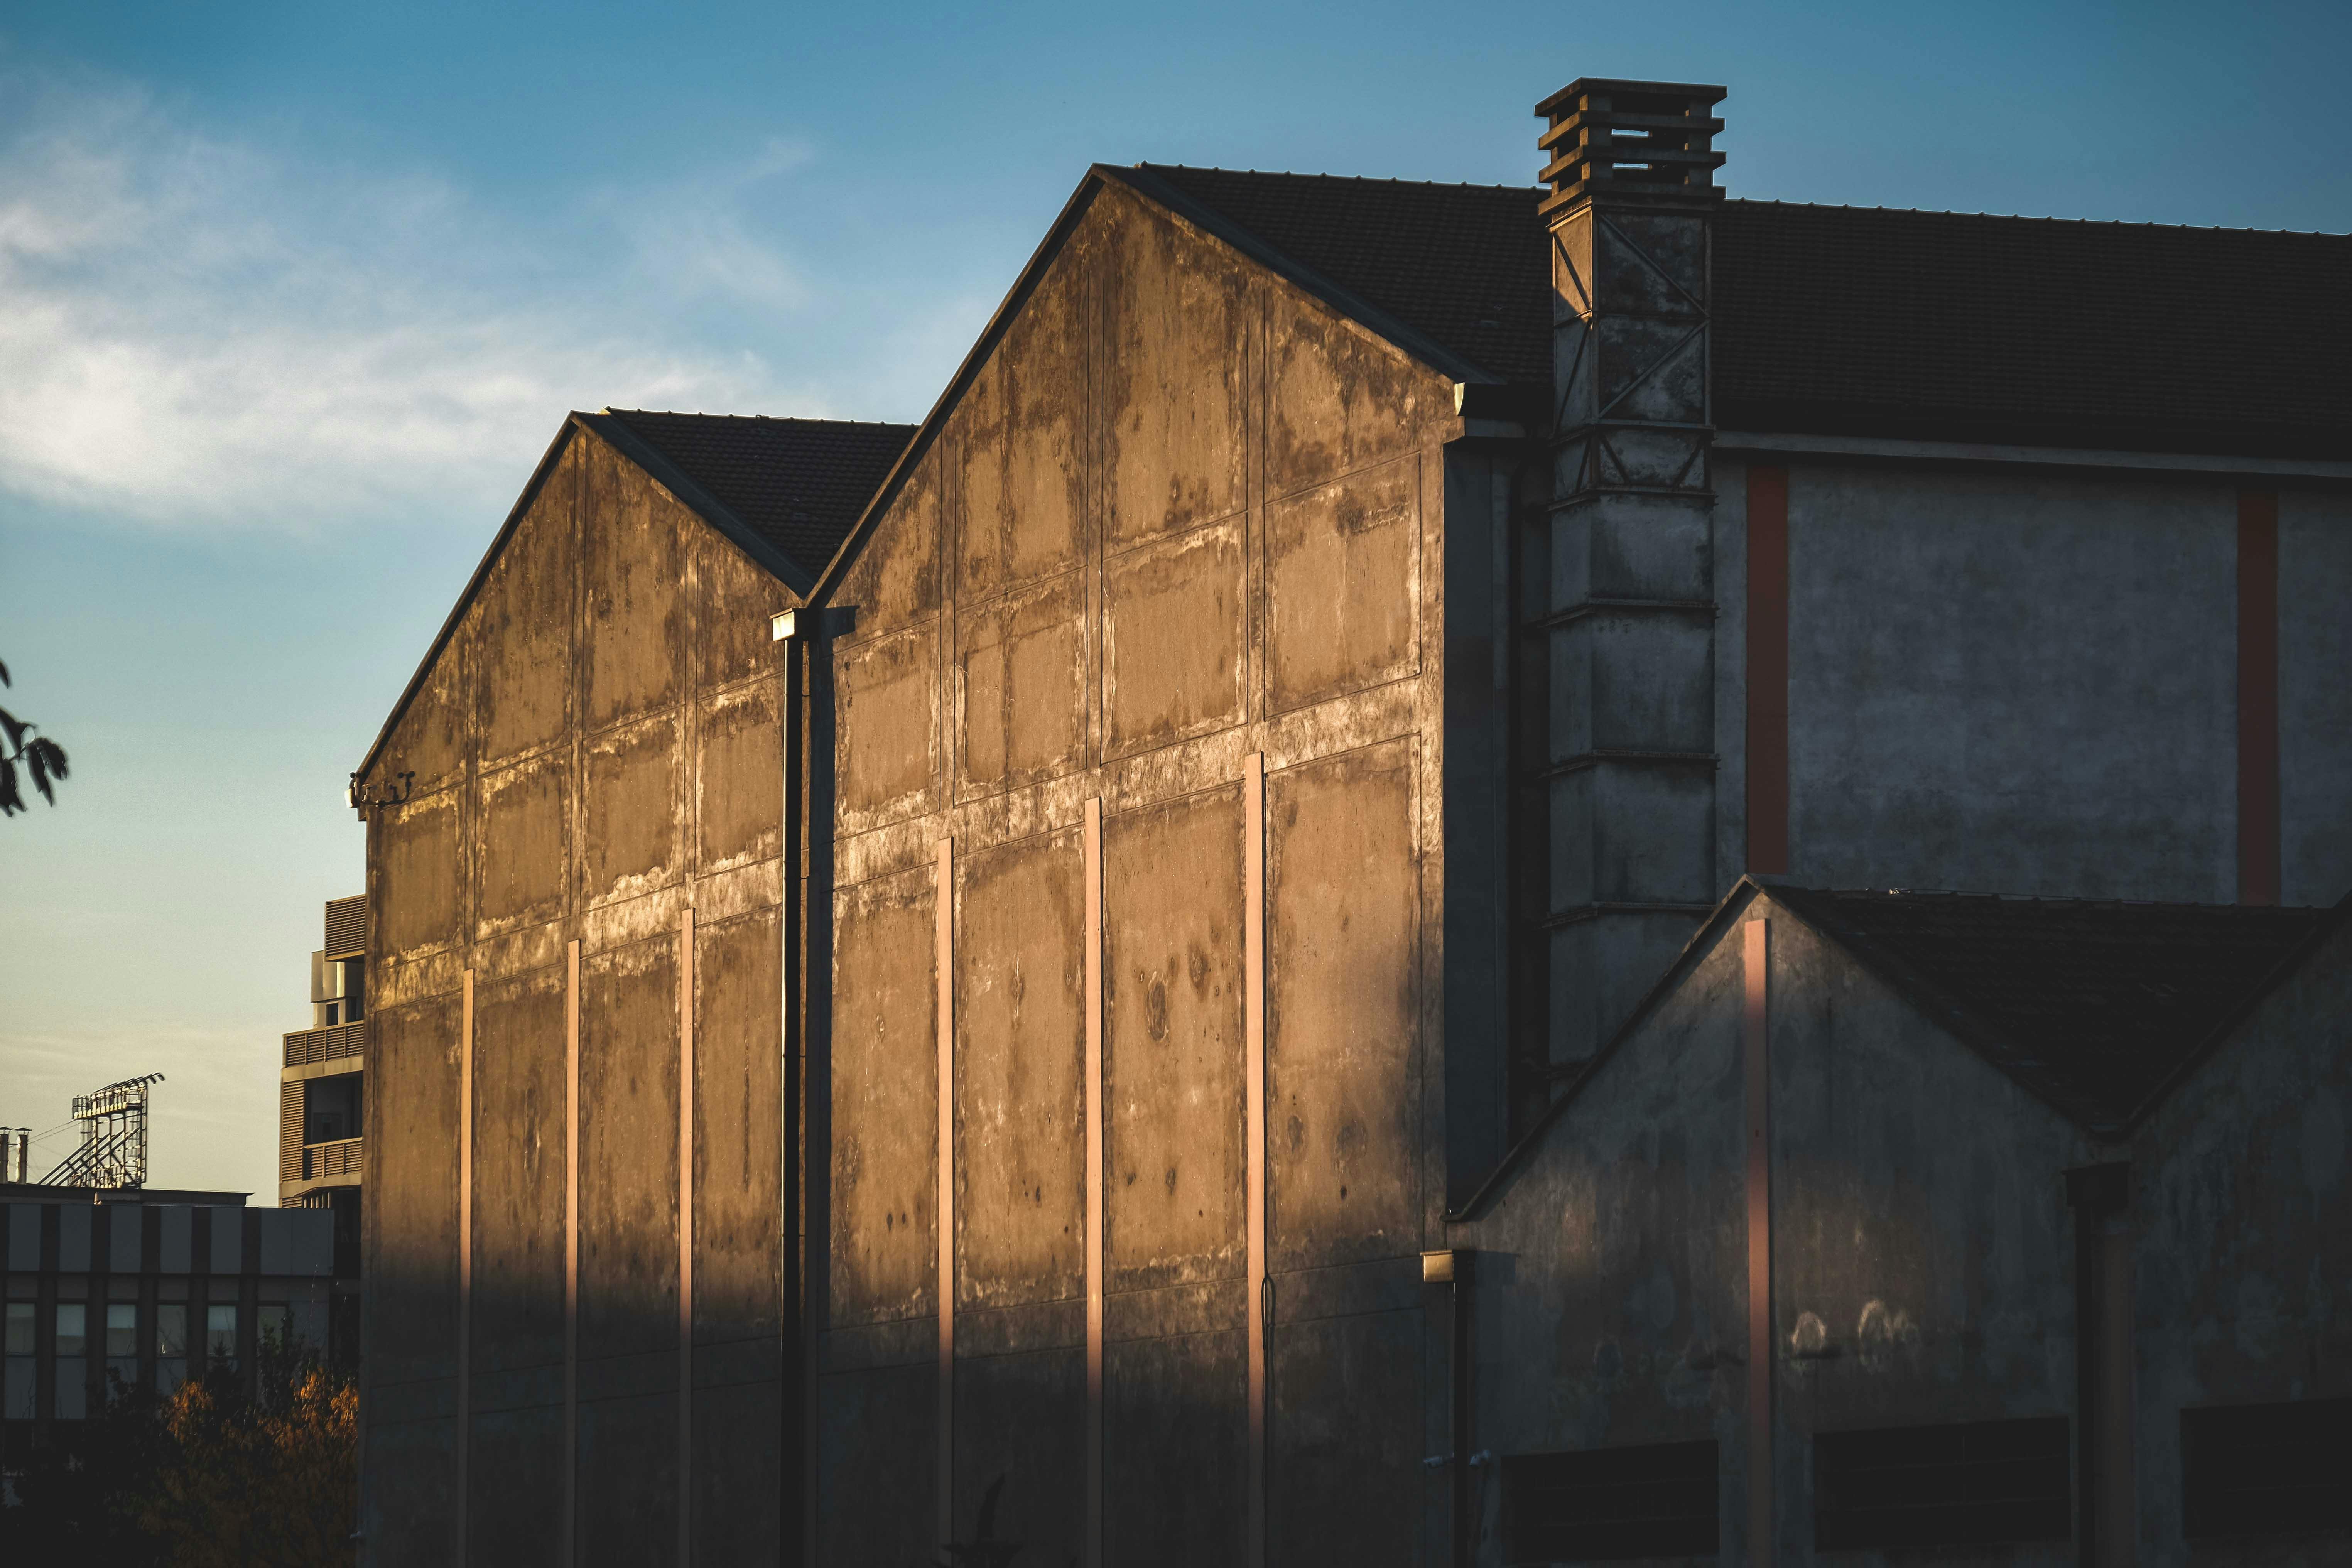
[[800, 483], [1464, 264], [2092, 1005], [1854, 321]]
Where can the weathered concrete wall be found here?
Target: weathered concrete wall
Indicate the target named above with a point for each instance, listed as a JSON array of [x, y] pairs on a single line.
[[1922, 1250], [2012, 685], [597, 750], [1610, 1291], [2241, 1249], [2028, 684], [2314, 546], [1180, 515]]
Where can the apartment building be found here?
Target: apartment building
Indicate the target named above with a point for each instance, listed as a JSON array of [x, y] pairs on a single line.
[[322, 1080]]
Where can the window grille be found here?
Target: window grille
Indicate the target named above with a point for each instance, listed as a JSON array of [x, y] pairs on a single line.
[[2265, 1469], [1967, 1484], [1656, 1500]]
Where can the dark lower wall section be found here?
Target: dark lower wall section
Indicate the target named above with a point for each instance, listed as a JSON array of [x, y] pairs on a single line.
[[628, 1481], [877, 1469], [1347, 1483], [738, 1458], [412, 1467], [1020, 1436], [1175, 1447], [517, 1460]]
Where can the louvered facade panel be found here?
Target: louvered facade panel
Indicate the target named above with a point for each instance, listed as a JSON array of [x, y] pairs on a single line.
[[346, 926], [289, 1131]]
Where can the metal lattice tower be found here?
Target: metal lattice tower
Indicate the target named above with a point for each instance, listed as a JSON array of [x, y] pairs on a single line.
[[113, 1151]]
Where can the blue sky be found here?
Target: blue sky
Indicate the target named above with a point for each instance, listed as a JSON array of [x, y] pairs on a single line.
[[293, 296]]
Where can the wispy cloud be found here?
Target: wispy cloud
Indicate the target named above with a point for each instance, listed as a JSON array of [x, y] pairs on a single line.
[[200, 333]]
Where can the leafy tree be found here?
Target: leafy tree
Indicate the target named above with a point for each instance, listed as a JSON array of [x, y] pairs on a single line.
[[207, 1478], [269, 1483], [42, 757]]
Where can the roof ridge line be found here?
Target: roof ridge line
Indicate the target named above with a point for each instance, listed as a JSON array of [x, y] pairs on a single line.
[[1349, 179], [2059, 898], [2030, 217], [761, 418]]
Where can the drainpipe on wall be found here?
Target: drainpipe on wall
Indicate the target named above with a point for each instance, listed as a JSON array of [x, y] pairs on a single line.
[[1452, 1271], [2105, 1506]]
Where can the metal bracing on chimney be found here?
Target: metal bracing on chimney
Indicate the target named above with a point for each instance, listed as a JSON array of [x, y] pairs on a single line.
[[1624, 701]]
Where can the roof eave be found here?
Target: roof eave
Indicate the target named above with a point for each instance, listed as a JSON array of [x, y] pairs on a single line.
[[717, 513], [1410, 340], [2216, 1038], [1496, 1181], [927, 431], [465, 596]]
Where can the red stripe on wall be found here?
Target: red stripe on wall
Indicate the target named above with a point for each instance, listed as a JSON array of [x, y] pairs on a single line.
[[2258, 724], [1767, 670]]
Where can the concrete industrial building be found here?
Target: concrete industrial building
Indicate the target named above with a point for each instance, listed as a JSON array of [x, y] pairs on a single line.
[[1249, 979]]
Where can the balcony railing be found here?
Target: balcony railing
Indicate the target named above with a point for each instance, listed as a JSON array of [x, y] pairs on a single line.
[[340, 1158], [307, 1046]]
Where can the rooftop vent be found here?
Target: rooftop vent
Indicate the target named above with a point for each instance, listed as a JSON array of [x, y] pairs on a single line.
[[1646, 142]]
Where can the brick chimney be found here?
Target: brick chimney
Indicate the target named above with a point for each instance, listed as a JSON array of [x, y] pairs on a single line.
[[1628, 628]]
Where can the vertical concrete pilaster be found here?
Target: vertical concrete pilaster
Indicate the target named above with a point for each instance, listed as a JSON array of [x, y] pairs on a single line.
[[464, 1402], [685, 1236], [1259, 1306], [1094, 1198], [1756, 1023], [943, 957], [569, 1549]]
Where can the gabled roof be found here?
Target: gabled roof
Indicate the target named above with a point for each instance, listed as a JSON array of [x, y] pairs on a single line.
[[785, 491], [1955, 326], [1855, 320], [1464, 264], [2096, 1007], [2099, 1008], [799, 484]]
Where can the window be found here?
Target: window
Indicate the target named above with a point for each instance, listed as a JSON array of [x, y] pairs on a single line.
[[16, 1374], [122, 1328], [123, 1343], [220, 1336], [2265, 1469], [170, 1330], [1966, 1485], [73, 1370], [1657, 1501], [171, 1346], [331, 1108]]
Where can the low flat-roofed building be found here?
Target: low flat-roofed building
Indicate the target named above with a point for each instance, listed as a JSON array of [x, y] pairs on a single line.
[[142, 1290]]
